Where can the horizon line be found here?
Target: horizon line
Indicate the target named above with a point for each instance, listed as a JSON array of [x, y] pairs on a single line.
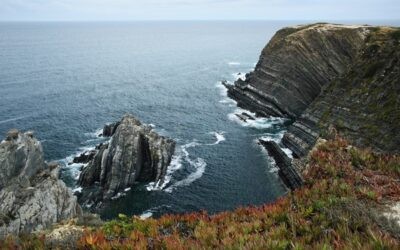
[[194, 20]]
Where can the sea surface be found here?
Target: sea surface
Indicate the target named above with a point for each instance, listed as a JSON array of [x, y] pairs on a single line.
[[66, 80]]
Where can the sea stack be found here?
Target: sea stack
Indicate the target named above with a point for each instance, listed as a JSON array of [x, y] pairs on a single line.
[[32, 197], [135, 153]]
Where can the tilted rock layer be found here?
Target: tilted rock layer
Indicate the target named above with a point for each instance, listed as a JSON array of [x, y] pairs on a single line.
[[329, 79], [31, 195], [295, 65], [363, 104], [134, 154], [328, 75]]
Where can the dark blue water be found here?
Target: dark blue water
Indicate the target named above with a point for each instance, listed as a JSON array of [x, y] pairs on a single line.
[[66, 80]]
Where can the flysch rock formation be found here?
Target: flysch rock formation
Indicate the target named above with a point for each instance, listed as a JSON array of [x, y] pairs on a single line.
[[295, 65], [135, 153], [287, 172], [32, 197], [363, 104], [329, 77]]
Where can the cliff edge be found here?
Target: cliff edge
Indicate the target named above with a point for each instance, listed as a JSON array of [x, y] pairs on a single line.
[[329, 79], [295, 65]]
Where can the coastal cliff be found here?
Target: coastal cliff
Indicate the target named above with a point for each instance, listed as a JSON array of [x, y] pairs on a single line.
[[295, 65], [134, 154], [329, 79], [362, 104], [345, 197], [32, 197]]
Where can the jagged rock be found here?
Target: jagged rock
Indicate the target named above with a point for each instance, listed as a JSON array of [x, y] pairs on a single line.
[[20, 156], [32, 197], [135, 153], [287, 172], [109, 129], [84, 157]]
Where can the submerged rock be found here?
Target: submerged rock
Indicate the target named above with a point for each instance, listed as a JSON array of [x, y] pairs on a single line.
[[31, 194], [134, 154]]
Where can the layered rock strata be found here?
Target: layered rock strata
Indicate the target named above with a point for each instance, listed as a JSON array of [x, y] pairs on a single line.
[[289, 175], [295, 65], [135, 153], [329, 77], [363, 104]]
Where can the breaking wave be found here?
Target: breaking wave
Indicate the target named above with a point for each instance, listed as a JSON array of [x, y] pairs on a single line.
[[219, 136], [257, 122]]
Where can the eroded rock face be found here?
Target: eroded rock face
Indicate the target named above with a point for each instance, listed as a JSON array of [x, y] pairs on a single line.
[[294, 67], [363, 104], [288, 173], [134, 154], [329, 79], [31, 194]]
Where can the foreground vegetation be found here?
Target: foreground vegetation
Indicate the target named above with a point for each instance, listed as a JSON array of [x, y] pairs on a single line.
[[341, 206]]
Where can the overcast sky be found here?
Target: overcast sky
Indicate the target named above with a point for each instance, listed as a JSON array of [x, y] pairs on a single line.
[[69, 10]]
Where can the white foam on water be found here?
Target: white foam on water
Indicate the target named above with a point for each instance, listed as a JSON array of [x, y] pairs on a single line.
[[224, 93], [77, 190], [118, 196], [176, 163], [277, 137], [14, 119], [95, 134], [219, 136], [149, 212], [239, 75], [288, 152], [273, 169], [198, 164], [233, 63], [145, 215], [222, 89], [258, 122]]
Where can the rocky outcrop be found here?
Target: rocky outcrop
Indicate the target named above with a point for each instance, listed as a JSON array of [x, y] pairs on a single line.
[[287, 171], [134, 154], [363, 104], [109, 129], [329, 78], [295, 65], [31, 194]]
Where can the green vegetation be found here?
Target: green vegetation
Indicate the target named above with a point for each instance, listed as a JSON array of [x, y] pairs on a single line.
[[339, 207]]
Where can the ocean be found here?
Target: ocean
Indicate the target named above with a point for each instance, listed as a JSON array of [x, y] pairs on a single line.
[[66, 80]]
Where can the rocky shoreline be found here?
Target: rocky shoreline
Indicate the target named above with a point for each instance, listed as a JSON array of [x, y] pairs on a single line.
[[33, 197], [325, 78]]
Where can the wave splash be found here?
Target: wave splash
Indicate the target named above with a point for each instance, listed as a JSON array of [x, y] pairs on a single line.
[[256, 122], [219, 136], [198, 164]]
